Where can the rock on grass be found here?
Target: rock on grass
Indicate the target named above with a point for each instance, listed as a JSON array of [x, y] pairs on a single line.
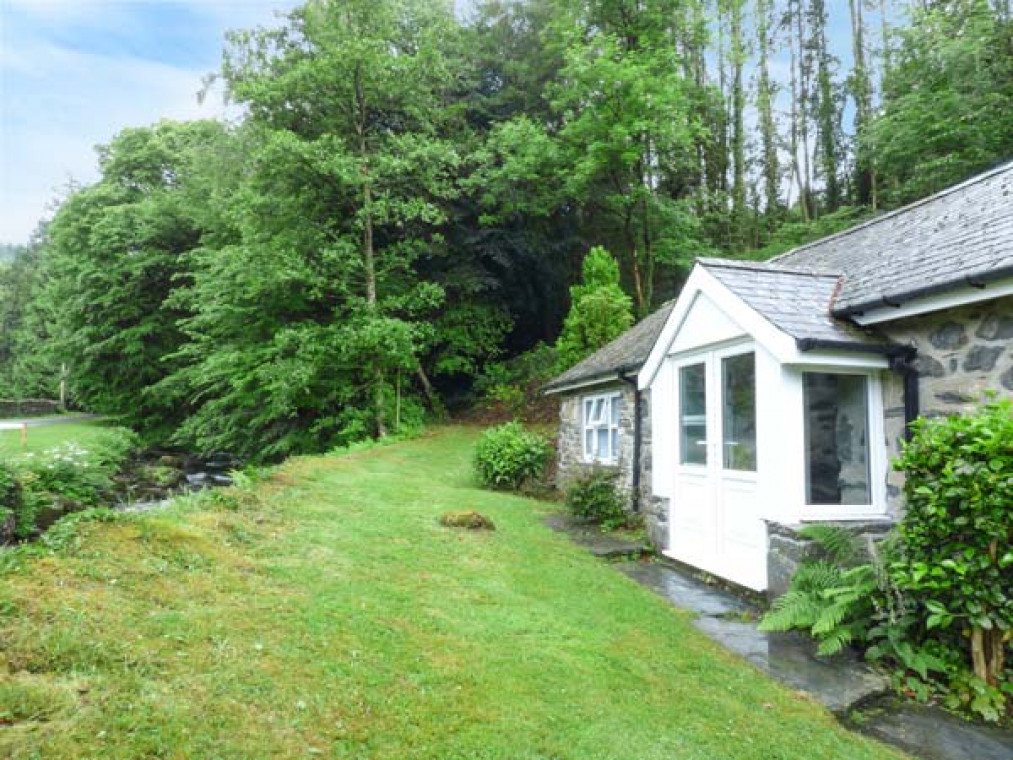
[[469, 520]]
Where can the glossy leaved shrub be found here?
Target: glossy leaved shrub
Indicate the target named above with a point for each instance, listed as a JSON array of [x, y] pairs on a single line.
[[508, 457]]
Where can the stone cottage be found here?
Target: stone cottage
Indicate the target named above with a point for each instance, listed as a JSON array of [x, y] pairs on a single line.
[[773, 394]]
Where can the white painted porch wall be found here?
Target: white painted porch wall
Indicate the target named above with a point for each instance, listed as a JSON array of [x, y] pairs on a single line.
[[705, 325]]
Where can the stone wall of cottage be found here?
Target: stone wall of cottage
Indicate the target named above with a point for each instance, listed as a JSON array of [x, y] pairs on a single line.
[[571, 464], [962, 353]]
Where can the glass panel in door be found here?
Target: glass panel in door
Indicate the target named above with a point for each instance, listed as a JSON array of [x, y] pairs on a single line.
[[738, 412], [693, 414]]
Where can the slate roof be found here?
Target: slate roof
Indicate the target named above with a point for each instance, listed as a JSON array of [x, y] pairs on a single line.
[[797, 302], [625, 354], [962, 235]]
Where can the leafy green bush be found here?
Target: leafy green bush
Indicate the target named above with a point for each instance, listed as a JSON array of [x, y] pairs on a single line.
[[68, 477], [10, 500], [956, 564], [509, 457], [595, 497]]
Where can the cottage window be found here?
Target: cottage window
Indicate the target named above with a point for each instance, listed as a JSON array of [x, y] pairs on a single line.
[[837, 438], [693, 414], [601, 428]]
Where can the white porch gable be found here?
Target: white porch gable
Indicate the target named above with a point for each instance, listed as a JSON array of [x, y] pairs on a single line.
[[728, 419]]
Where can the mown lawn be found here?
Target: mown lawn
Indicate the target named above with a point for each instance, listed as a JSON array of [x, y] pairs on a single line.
[[329, 615], [47, 436]]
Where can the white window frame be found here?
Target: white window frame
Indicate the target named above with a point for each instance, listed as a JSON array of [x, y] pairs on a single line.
[[876, 452], [603, 422], [711, 357]]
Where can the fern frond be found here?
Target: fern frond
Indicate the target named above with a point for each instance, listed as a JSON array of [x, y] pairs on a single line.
[[830, 618], [839, 544], [816, 576], [793, 610], [835, 641]]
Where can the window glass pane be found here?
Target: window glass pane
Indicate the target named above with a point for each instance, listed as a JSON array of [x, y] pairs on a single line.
[[587, 411], [589, 444], [738, 390], [693, 410], [603, 443], [617, 407], [598, 409], [614, 451], [837, 439]]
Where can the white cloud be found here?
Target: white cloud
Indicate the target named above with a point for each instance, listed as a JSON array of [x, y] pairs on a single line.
[[77, 101], [58, 100]]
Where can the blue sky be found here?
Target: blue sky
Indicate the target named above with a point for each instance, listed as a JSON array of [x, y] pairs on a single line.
[[75, 72]]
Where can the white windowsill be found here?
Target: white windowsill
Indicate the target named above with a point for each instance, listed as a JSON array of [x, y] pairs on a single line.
[[872, 515]]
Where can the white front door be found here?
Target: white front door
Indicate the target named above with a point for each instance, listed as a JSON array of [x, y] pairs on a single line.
[[714, 521]]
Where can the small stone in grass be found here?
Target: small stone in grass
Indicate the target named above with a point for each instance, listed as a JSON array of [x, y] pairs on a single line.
[[469, 520]]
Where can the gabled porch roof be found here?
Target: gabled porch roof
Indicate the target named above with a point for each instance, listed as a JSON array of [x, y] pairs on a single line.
[[788, 311]]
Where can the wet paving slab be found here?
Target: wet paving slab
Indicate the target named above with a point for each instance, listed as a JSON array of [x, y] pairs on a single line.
[[845, 684], [591, 537], [837, 682], [933, 734], [683, 590]]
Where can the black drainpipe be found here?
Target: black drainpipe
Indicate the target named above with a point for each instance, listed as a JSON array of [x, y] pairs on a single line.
[[635, 503], [903, 364]]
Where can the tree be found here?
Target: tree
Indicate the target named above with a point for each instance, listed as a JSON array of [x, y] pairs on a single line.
[[947, 100], [305, 321], [599, 311], [860, 84], [113, 255], [737, 56], [828, 112], [628, 134], [26, 369], [765, 94]]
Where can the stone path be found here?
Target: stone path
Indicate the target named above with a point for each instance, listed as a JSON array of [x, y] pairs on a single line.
[[845, 684], [591, 538]]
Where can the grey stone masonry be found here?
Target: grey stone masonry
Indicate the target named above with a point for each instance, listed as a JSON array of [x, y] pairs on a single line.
[[571, 451], [963, 353], [786, 549]]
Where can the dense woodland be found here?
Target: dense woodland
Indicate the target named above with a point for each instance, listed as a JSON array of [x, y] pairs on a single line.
[[411, 194]]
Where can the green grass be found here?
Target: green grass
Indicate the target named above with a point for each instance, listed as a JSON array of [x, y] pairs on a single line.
[[47, 436], [327, 613]]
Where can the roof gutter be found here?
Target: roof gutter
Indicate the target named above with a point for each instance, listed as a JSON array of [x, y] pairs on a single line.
[[824, 344], [897, 299], [596, 379]]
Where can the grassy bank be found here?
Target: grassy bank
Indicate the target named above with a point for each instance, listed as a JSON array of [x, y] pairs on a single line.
[[47, 436], [329, 614]]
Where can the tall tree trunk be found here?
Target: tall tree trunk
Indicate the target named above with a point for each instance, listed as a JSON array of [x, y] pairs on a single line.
[[804, 94], [427, 388], [862, 92], [368, 252], [737, 55], [765, 113], [795, 146], [827, 115], [886, 53]]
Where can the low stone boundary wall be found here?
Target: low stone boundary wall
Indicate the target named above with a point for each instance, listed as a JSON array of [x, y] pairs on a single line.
[[29, 407]]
